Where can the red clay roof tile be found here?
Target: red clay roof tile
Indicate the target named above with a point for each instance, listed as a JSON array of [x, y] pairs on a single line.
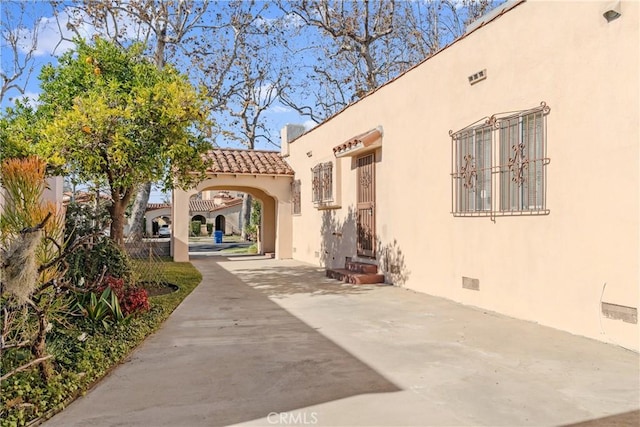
[[252, 162]]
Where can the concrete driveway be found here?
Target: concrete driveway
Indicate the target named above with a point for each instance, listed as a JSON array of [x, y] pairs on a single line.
[[268, 342]]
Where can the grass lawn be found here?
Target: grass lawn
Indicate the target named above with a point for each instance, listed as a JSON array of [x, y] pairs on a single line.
[[85, 352], [248, 250]]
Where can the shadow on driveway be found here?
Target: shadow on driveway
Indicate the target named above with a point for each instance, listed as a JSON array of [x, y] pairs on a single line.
[[227, 355]]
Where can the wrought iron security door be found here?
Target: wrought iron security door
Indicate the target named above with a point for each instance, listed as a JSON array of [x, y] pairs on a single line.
[[366, 205]]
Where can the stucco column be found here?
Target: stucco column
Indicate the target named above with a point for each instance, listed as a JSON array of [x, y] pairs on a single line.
[[180, 225], [284, 230], [268, 238]]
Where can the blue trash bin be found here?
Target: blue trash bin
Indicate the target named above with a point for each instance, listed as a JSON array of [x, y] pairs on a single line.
[[217, 236]]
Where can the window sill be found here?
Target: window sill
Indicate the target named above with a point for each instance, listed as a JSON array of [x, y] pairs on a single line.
[[326, 206]]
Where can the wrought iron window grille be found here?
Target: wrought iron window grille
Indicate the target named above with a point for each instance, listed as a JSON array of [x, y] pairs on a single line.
[[296, 197], [322, 183], [498, 165]]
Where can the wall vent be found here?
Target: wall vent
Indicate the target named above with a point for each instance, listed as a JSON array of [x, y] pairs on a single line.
[[477, 77], [470, 283], [620, 312]]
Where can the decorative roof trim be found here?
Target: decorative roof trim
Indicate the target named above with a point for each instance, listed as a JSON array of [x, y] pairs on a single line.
[[365, 141]]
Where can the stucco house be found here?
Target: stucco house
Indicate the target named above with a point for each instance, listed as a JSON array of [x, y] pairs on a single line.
[[502, 172]]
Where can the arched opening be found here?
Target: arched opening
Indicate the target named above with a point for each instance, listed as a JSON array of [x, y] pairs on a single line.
[[154, 225], [263, 175], [199, 218], [221, 224], [273, 194]]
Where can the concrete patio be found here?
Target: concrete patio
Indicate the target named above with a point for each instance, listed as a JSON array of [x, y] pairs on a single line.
[[268, 342]]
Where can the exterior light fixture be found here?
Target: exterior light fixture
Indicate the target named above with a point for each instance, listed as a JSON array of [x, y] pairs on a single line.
[[612, 11]]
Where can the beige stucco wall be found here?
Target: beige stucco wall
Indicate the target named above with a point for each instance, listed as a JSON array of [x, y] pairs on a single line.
[[549, 269]]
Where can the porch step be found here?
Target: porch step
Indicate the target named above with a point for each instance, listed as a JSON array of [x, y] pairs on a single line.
[[354, 277], [361, 267]]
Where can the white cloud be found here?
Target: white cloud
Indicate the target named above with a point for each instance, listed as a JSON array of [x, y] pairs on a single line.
[[309, 124], [29, 98], [280, 109], [51, 36], [289, 21]]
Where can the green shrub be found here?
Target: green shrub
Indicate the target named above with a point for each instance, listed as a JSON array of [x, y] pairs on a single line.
[[88, 262], [104, 310], [209, 229], [195, 228], [83, 354]]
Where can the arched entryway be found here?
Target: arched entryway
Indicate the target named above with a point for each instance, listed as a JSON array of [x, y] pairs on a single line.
[[265, 176], [221, 223]]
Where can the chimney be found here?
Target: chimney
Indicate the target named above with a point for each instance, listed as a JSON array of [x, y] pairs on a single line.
[[288, 133]]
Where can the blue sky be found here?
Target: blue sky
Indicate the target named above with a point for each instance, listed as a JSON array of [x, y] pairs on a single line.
[[40, 19], [49, 46]]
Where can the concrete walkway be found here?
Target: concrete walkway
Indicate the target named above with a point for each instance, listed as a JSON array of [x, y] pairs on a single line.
[[267, 342]]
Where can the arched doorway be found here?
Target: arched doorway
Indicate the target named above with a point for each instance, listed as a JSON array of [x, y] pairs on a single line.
[[221, 224]]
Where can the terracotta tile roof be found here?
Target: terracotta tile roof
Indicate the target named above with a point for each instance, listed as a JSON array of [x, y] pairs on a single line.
[[155, 206], [358, 143], [251, 162], [228, 204], [201, 205], [198, 205]]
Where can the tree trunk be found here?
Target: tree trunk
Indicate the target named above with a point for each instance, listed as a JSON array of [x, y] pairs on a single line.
[[39, 348], [144, 191], [116, 212], [138, 211], [246, 215]]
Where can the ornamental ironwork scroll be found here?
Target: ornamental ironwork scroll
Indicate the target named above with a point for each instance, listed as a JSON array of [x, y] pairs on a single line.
[[322, 182], [327, 181], [315, 183], [469, 172], [518, 164], [365, 179], [296, 196]]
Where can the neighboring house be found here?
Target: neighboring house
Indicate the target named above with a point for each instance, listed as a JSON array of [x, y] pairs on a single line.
[[222, 211], [502, 172]]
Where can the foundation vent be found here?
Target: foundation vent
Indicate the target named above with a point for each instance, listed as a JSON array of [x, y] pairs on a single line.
[[620, 312], [471, 283]]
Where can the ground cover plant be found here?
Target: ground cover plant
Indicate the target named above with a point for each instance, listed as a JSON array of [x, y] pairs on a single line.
[[70, 308], [84, 351]]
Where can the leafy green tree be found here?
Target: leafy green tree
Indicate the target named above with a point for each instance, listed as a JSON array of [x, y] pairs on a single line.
[[114, 117], [18, 134]]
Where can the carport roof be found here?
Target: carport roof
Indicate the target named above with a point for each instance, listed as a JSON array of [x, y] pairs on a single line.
[[251, 162]]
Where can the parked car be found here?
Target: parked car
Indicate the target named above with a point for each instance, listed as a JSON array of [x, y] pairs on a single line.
[[164, 231]]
